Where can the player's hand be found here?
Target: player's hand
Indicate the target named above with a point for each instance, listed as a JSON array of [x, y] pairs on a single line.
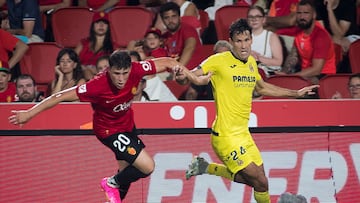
[[179, 73], [19, 117], [309, 90]]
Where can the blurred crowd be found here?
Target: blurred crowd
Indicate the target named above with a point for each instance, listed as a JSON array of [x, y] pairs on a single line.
[[289, 39]]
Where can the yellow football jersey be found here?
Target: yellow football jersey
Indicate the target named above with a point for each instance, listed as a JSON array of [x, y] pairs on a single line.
[[233, 83]]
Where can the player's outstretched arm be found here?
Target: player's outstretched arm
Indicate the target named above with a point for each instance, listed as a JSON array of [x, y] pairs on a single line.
[[23, 116], [268, 89]]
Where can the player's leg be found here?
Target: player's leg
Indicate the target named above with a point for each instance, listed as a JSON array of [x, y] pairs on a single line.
[[254, 176], [142, 167], [128, 149]]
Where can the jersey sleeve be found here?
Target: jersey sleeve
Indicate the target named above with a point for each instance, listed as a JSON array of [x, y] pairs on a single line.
[[210, 64], [87, 92]]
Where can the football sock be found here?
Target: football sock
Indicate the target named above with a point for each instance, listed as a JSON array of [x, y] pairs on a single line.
[[220, 170], [262, 197], [123, 190], [128, 175]]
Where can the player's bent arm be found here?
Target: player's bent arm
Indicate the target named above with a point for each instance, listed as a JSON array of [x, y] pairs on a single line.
[[196, 76], [268, 89], [20, 117], [165, 63]]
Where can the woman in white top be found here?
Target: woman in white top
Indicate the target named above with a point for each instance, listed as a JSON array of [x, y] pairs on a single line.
[[266, 46]]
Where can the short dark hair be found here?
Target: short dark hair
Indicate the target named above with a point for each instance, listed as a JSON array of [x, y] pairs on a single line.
[[238, 27], [169, 6], [307, 2], [25, 76], [120, 60]]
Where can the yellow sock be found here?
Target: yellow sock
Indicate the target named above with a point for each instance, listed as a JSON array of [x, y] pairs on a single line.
[[220, 170], [262, 197]]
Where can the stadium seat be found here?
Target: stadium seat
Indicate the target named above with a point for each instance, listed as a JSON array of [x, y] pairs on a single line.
[[224, 16], [129, 23], [177, 89], [331, 84], [287, 81], [204, 20], [70, 25], [39, 61], [338, 53], [354, 57]]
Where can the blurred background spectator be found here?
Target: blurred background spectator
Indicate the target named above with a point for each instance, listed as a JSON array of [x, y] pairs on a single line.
[[313, 48], [25, 20], [353, 86], [181, 40], [102, 63], [266, 46], [339, 19], [68, 71], [7, 88], [189, 15], [98, 43], [26, 90]]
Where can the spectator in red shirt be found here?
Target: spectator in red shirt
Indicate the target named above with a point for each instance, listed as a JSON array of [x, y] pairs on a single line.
[[313, 47], [181, 40], [7, 88], [111, 95], [98, 43]]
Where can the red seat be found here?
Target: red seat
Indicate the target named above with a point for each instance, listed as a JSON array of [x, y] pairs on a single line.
[[354, 57], [70, 25], [287, 81], [224, 16], [201, 54], [338, 53], [331, 84], [129, 23], [39, 61], [204, 20], [177, 89]]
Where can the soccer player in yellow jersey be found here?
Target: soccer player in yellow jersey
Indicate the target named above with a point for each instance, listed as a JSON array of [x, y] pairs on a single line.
[[234, 78]]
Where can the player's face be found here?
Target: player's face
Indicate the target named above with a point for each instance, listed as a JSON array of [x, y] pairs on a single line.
[[119, 77], [171, 20], [242, 45], [25, 90]]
